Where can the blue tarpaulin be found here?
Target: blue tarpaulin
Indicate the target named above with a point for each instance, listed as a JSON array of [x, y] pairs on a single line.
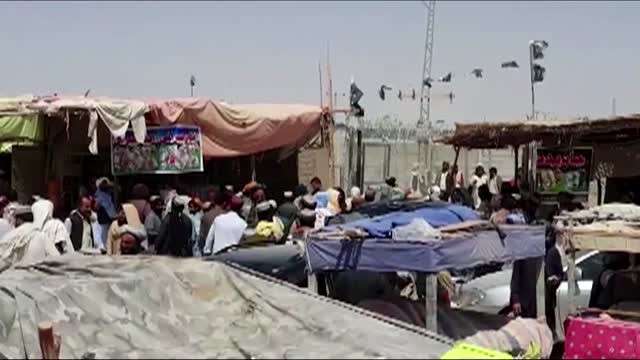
[[385, 255], [437, 216]]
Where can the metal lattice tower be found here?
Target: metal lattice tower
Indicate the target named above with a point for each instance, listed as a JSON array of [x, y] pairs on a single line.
[[425, 91], [423, 128]]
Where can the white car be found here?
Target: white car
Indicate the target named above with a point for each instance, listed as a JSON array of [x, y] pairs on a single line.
[[490, 293]]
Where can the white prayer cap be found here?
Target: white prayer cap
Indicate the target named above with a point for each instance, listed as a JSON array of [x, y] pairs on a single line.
[[263, 206]]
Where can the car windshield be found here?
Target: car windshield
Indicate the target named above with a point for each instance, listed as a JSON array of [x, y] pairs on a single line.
[[591, 264]]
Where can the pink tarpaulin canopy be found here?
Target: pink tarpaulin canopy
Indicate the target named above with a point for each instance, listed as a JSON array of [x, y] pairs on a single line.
[[234, 130]]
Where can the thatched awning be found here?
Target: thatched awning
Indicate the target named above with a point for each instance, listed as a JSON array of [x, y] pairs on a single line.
[[506, 134]]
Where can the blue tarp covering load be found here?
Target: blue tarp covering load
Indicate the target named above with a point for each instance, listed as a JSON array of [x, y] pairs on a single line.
[[386, 255], [436, 216]]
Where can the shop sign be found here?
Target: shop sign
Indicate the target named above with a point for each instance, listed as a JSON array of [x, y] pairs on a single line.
[[559, 170]]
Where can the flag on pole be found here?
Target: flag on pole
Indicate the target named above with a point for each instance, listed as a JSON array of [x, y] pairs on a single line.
[[446, 78], [355, 94], [192, 80], [537, 49], [382, 90], [538, 73]]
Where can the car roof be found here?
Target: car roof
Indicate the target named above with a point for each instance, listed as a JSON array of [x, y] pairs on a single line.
[[495, 279], [272, 253], [503, 277]]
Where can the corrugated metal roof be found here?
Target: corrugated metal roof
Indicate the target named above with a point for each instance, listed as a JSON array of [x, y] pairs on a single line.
[[503, 134]]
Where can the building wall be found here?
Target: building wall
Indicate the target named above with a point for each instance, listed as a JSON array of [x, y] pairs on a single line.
[[396, 158]]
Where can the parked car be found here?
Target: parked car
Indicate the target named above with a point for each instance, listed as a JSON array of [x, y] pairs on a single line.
[[368, 290], [490, 293], [285, 262]]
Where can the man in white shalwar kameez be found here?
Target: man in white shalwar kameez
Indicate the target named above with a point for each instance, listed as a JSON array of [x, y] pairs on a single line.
[[26, 243], [55, 229]]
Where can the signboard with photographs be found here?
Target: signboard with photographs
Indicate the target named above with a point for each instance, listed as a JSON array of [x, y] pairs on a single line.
[[166, 150], [559, 170]]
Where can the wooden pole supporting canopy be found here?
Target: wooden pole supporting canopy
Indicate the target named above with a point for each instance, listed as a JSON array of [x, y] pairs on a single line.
[[49, 342]]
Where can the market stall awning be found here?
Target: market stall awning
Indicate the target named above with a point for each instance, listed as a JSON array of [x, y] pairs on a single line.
[[227, 130], [116, 114], [18, 125], [235, 130], [505, 134], [386, 255]]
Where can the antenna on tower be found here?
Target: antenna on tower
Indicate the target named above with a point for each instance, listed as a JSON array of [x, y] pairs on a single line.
[[424, 123], [426, 80]]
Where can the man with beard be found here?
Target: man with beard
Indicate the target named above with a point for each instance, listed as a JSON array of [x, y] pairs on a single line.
[[254, 194], [227, 228], [195, 215], [128, 215], [153, 221], [316, 185], [176, 232], [82, 227], [105, 208], [287, 212], [209, 217], [131, 240], [305, 223]]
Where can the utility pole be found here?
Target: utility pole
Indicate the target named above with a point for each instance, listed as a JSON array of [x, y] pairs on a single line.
[[533, 92], [192, 83], [537, 74], [424, 123], [321, 86], [355, 94], [613, 107]]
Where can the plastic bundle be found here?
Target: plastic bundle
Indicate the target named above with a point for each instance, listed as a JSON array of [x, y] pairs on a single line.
[[417, 230]]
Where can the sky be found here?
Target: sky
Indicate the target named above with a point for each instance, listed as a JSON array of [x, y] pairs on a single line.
[[249, 52]]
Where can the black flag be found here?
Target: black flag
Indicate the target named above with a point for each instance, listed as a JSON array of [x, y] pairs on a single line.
[[427, 82], [446, 78], [383, 88], [537, 49], [355, 96], [509, 64], [538, 73], [192, 80], [477, 72]]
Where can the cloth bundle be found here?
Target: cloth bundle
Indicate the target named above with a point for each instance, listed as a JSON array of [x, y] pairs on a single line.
[[518, 334]]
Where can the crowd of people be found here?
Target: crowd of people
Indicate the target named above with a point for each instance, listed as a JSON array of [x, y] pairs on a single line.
[[514, 203], [191, 225], [487, 193], [186, 225], [182, 225]]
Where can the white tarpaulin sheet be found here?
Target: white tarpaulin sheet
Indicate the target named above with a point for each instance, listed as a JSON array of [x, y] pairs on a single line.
[[158, 307], [116, 114]]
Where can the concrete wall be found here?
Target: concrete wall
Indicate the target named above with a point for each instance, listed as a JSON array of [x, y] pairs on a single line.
[[395, 158]]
